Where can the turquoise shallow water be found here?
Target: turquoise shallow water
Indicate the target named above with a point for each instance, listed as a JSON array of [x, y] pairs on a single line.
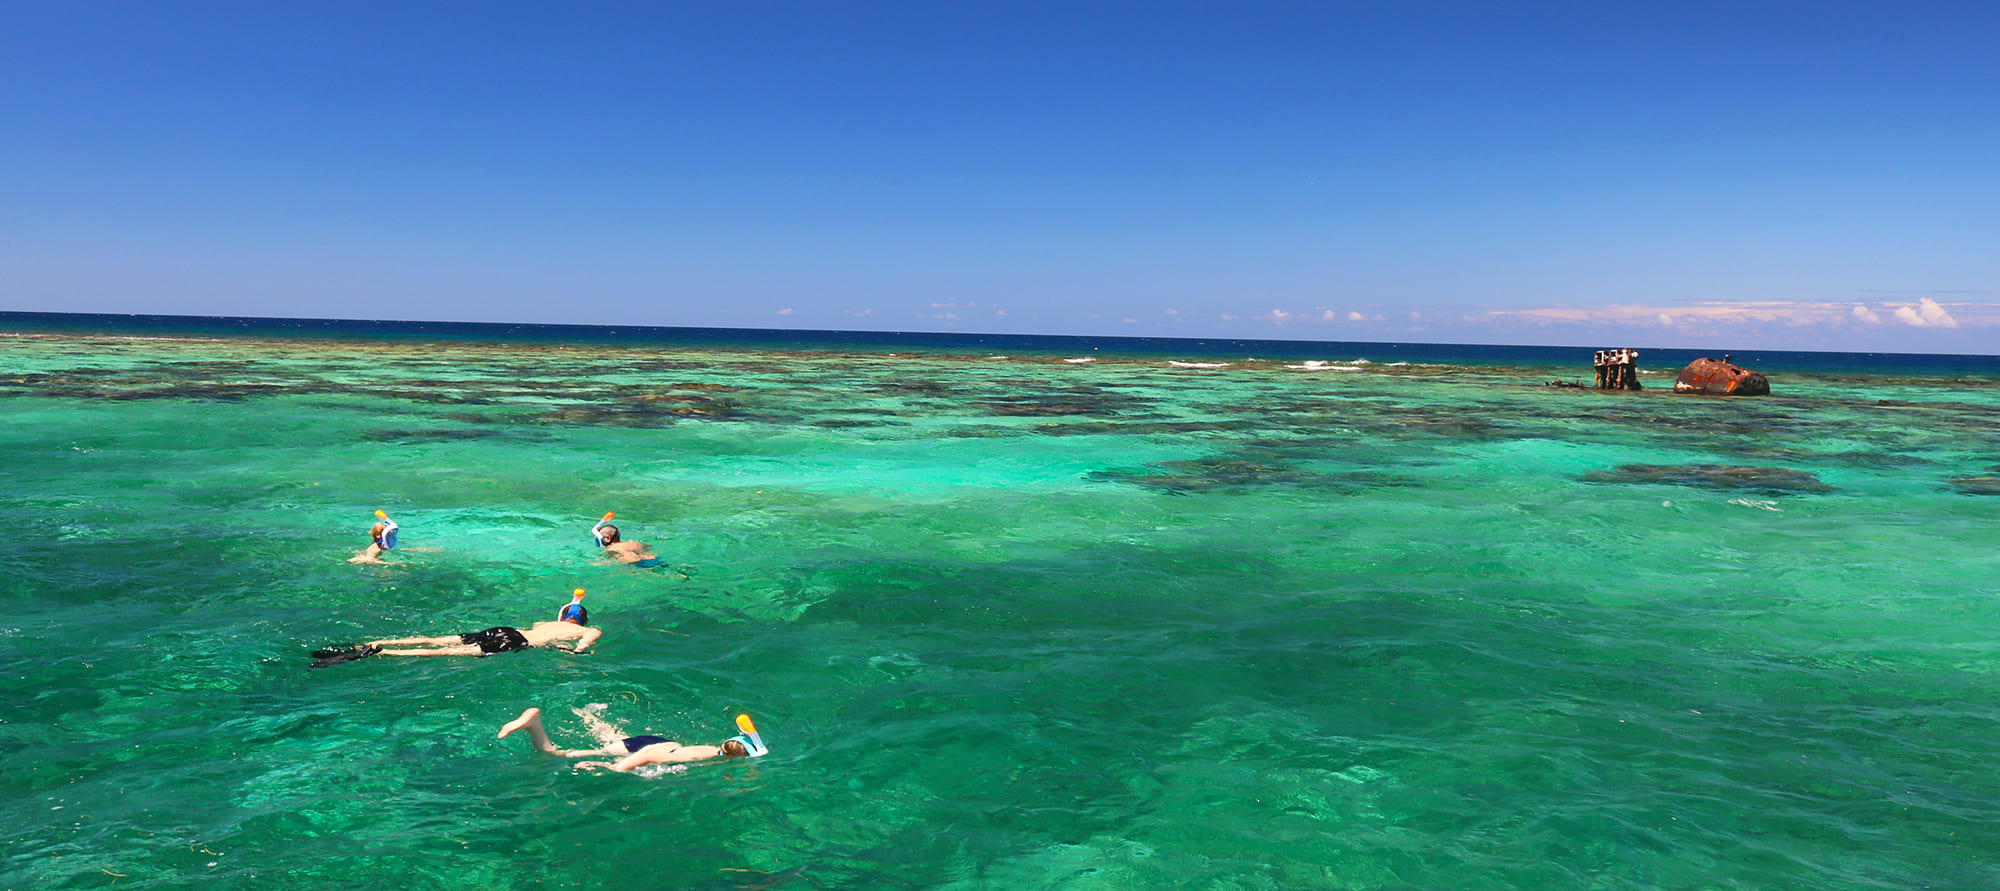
[[1006, 621]]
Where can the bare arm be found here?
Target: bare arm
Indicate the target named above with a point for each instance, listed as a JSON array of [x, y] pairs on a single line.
[[666, 753]]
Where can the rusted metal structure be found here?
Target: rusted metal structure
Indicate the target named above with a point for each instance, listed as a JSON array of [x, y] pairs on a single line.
[[1617, 369], [1720, 377]]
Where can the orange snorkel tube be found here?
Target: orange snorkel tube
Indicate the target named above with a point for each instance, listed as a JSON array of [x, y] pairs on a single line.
[[750, 740], [573, 610]]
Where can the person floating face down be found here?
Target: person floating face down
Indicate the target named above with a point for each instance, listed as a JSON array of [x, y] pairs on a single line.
[[631, 751], [617, 549], [571, 627]]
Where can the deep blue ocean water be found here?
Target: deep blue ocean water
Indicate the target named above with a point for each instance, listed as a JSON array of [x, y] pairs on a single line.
[[1011, 612]]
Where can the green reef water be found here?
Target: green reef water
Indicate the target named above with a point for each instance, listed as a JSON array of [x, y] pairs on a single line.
[[1033, 614]]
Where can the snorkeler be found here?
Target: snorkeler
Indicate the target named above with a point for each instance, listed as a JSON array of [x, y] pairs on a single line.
[[382, 537], [632, 751], [571, 624], [606, 536]]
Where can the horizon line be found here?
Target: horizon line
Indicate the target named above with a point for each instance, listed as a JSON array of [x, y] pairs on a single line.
[[274, 321]]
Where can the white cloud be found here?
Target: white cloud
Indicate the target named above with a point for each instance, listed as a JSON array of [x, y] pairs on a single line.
[[1000, 312], [1664, 319], [1229, 317], [1277, 316], [1328, 316], [1355, 317], [1129, 320], [785, 312], [1926, 314], [1709, 311], [1711, 314]]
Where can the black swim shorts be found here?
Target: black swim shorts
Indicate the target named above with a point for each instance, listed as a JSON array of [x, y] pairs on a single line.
[[496, 640]]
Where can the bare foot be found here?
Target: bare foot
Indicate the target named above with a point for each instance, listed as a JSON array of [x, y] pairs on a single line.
[[528, 717]]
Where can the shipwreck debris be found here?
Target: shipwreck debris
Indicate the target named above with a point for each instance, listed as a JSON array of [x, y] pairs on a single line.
[[1721, 378], [1617, 369]]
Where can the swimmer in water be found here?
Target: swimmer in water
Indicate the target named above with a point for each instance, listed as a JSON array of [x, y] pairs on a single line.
[[622, 551], [571, 626], [631, 751], [373, 553]]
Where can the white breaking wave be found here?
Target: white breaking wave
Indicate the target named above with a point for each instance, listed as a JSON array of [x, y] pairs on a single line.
[[1079, 361], [1179, 364], [1760, 505], [1317, 365]]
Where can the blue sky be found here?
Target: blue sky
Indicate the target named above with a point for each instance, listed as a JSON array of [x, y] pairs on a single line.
[[1707, 175]]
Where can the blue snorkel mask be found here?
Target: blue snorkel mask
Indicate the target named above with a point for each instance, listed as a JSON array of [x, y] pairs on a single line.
[[597, 531], [388, 530], [573, 611]]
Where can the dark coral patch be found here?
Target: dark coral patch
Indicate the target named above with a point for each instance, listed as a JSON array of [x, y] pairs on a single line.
[[1977, 485], [443, 434], [1064, 401], [1222, 473], [846, 423], [1713, 476]]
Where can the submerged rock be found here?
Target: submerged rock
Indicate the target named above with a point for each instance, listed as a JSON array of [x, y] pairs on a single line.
[[1713, 476], [1977, 485], [1720, 378]]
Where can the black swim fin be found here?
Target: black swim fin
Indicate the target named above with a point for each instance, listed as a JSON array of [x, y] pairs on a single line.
[[340, 656], [334, 651]]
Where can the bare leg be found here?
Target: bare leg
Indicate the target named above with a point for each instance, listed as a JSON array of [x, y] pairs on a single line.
[[460, 650], [531, 721], [449, 640]]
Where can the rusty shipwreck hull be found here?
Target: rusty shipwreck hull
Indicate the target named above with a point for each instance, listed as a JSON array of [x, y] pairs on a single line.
[[1719, 378]]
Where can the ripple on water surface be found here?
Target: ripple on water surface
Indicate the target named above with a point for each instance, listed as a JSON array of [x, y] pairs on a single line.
[[1188, 620]]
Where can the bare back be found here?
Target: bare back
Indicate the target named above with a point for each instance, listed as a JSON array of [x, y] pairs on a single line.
[[628, 551], [542, 634]]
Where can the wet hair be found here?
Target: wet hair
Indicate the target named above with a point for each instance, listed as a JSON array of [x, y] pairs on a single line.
[[608, 533], [573, 612], [375, 532], [735, 749]]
